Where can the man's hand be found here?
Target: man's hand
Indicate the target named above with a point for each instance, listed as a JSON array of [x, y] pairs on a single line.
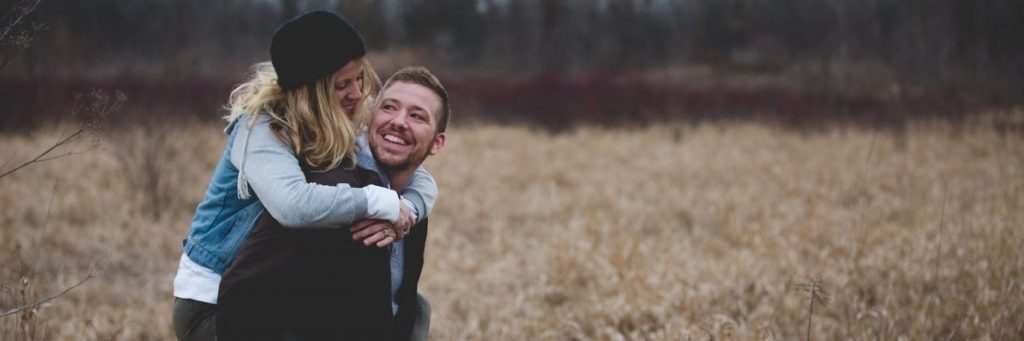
[[374, 232]]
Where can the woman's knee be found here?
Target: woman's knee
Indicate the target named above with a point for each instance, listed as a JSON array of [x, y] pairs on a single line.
[[194, 320]]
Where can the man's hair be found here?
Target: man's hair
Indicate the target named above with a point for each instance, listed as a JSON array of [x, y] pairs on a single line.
[[421, 76]]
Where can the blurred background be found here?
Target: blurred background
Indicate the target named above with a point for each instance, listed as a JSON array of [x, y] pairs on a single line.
[[616, 169], [553, 63]]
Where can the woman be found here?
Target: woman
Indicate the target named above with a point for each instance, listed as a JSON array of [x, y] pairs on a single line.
[[305, 107]]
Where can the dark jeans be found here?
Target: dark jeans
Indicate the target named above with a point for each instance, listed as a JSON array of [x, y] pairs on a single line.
[[421, 325], [195, 321]]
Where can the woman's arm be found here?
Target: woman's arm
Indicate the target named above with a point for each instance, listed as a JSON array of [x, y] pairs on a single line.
[[273, 172]]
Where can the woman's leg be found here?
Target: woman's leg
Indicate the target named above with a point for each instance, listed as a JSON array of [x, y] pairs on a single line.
[[194, 320]]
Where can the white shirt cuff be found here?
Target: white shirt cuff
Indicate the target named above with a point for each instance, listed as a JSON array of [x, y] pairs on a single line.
[[381, 203]]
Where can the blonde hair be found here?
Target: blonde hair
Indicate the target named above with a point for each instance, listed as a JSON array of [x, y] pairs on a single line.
[[309, 119]]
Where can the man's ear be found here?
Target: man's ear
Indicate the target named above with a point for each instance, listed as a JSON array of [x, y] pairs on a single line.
[[438, 143]]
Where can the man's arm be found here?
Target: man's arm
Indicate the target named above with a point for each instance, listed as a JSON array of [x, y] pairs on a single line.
[[420, 194], [273, 172]]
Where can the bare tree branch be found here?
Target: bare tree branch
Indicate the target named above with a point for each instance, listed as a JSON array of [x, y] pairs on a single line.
[[74, 152], [63, 140], [9, 34], [16, 15], [92, 273], [49, 206], [98, 102], [20, 41]]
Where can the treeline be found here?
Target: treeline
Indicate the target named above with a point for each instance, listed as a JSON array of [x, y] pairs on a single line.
[[933, 38], [802, 60]]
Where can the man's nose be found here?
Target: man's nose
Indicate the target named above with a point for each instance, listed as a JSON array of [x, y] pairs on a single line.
[[401, 120]]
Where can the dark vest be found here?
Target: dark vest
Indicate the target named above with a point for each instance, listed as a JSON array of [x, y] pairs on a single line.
[[317, 284]]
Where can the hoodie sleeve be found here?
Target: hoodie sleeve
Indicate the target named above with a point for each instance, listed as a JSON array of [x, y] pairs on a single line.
[[421, 193], [268, 167]]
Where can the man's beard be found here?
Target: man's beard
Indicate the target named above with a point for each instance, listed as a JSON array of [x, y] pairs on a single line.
[[412, 161]]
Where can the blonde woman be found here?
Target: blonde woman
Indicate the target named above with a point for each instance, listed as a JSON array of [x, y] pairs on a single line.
[[305, 107]]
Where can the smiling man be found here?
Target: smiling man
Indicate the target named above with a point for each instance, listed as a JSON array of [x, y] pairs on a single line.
[[359, 283], [409, 124]]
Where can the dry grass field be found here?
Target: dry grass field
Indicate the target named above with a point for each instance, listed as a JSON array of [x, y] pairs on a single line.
[[675, 232]]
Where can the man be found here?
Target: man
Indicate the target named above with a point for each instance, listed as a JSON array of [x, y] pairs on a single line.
[[326, 284]]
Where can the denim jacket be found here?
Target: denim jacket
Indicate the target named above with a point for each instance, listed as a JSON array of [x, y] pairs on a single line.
[[223, 219]]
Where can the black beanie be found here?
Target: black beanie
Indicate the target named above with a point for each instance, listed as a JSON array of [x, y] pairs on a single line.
[[311, 46]]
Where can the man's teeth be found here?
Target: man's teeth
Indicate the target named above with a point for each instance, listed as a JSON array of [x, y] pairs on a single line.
[[395, 139]]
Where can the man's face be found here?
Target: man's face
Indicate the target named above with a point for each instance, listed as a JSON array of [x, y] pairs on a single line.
[[348, 83], [402, 130]]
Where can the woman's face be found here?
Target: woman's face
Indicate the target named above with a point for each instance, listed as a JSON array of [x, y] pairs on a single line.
[[348, 83]]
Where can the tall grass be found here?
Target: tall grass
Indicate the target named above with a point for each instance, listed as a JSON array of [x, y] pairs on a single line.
[[666, 232]]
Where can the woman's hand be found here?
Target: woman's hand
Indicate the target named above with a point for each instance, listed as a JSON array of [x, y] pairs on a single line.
[[381, 232], [375, 232]]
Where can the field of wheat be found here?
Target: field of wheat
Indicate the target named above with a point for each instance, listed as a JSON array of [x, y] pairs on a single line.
[[720, 231]]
